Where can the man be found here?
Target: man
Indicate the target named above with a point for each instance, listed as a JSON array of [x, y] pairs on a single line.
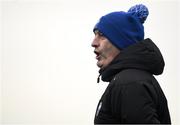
[[128, 62]]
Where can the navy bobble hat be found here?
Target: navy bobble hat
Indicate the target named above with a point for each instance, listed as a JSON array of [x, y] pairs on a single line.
[[123, 29]]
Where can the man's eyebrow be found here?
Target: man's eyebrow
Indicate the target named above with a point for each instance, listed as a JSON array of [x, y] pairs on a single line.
[[98, 32]]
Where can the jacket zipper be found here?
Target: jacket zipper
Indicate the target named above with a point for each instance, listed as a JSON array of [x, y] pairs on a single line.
[[98, 79]]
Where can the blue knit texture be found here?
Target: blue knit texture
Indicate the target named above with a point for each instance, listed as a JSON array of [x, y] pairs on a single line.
[[140, 11], [123, 29]]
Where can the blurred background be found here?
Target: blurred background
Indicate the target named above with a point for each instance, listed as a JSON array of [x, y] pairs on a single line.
[[48, 68]]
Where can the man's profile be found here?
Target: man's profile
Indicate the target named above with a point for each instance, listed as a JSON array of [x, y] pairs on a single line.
[[128, 62]]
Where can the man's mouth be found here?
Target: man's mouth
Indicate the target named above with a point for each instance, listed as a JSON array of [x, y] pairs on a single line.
[[97, 55]]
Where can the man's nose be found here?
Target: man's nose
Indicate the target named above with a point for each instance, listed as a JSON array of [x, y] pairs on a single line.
[[95, 42]]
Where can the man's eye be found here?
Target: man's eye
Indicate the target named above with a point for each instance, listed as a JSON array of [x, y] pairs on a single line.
[[101, 34]]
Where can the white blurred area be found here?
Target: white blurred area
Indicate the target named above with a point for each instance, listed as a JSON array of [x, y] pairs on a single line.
[[48, 68]]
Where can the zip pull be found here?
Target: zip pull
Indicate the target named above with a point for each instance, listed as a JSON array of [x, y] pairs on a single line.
[[98, 79]]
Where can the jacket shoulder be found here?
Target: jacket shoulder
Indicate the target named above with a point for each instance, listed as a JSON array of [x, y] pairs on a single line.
[[132, 75]]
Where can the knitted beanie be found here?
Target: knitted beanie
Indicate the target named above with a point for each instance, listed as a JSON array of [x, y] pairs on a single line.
[[123, 29]]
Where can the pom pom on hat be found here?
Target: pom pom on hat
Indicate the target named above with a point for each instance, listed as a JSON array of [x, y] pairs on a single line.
[[124, 28], [139, 11]]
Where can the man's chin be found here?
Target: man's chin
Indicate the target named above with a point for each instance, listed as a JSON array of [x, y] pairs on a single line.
[[99, 65]]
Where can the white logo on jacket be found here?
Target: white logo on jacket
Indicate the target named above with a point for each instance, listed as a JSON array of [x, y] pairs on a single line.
[[98, 109]]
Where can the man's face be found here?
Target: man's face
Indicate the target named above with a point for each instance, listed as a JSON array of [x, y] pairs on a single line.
[[105, 51]]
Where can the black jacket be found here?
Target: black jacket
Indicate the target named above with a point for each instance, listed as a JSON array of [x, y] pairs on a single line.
[[133, 94]]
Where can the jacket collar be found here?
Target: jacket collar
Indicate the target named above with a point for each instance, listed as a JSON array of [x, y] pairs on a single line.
[[144, 55]]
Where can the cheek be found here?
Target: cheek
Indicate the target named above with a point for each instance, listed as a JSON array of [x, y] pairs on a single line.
[[107, 52]]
